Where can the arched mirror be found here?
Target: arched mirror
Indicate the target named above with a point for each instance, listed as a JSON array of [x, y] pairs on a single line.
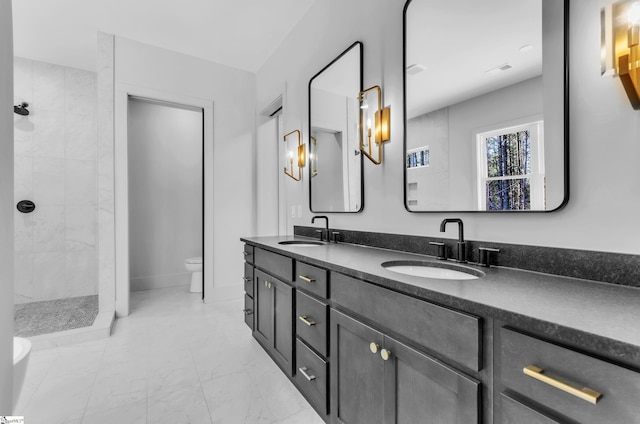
[[335, 162], [485, 87]]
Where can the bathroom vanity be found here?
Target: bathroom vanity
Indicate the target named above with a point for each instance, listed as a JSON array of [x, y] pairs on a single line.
[[363, 343]]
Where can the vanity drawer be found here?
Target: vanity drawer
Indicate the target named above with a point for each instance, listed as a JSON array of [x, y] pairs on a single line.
[[453, 334], [248, 279], [311, 376], [312, 279], [620, 387], [311, 322], [515, 412], [248, 311], [275, 264], [248, 253]]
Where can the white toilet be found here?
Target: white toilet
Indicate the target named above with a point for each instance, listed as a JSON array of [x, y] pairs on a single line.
[[195, 266]]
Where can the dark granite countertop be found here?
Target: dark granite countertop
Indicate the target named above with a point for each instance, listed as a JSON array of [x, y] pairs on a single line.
[[596, 317]]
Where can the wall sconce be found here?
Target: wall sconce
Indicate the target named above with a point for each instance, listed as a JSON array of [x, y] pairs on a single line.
[[301, 156], [620, 38], [373, 122]]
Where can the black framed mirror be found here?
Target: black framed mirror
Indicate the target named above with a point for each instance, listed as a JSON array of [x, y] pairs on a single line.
[[486, 105], [336, 182]]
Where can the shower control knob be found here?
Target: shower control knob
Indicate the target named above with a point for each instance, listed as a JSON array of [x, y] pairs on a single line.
[[26, 206]]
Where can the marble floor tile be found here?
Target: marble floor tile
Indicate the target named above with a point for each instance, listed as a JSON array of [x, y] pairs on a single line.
[[181, 406], [173, 360], [135, 413]]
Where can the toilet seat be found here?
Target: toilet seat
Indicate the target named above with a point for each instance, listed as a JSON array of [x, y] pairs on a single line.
[[197, 260]]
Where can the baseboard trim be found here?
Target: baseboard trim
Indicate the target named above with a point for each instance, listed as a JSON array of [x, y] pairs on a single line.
[[223, 293]]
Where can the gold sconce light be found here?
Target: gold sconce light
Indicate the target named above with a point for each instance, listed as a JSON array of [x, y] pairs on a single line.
[[375, 124], [620, 39], [301, 154]]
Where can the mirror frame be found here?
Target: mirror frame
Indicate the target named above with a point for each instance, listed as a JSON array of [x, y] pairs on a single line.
[[347, 50], [565, 129]]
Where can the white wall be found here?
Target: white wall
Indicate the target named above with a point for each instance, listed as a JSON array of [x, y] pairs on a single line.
[[165, 192], [6, 208], [55, 167], [605, 196], [233, 94]]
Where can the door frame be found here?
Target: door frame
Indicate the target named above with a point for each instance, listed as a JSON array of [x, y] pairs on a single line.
[[121, 195]]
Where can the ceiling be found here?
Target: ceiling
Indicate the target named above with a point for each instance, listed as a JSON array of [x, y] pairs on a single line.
[[461, 44], [238, 33]]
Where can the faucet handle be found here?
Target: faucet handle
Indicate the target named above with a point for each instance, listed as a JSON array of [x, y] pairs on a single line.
[[334, 235], [321, 234], [442, 251], [484, 255]]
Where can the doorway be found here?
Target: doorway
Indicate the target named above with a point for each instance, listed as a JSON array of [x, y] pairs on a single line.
[[165, 194], [123, 94]]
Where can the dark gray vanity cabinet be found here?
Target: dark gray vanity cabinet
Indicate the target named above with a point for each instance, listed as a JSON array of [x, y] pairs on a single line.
[[273, 305], [378, 379], [553, 383], [312, 335], [248, 287], [357, 373]]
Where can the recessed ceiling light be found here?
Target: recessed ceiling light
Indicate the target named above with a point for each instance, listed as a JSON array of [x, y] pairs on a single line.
[[526, 48], [502, 67], [416, 68]]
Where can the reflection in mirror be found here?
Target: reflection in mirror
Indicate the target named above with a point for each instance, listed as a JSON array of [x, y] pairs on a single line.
[[485, 110], [335, 163]]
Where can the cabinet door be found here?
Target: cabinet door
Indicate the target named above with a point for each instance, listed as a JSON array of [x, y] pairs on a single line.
[[357, 374], [282, 324], [263, 305], [418, 386]]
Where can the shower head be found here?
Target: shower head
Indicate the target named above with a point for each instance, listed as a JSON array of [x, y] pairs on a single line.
[[22, 109]]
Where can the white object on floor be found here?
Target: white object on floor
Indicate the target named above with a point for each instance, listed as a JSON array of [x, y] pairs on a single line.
[[21, 351], [195, 266]]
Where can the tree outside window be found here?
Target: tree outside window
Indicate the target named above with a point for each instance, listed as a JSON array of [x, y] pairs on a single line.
[[511, 168]]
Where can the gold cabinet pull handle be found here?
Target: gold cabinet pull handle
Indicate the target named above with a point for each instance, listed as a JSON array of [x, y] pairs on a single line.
[[583, 393], [307, 279], [247, 311], [303, 371], [373, 347], [268, 284], [386, 354], [307, 321]]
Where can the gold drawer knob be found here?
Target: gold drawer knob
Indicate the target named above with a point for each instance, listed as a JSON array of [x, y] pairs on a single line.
[[386, 354], [583, 393], [373, 347]]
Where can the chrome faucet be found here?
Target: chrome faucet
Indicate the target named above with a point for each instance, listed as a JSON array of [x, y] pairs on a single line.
[[462, 255], [326, 226]]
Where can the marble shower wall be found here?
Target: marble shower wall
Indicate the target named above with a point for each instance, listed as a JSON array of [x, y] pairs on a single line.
[[55, 166]]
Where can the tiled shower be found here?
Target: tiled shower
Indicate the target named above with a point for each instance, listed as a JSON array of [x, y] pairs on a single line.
[[56, 167]]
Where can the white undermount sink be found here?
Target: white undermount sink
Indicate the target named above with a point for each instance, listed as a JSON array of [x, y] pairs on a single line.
[[302, 243], [437, 270]]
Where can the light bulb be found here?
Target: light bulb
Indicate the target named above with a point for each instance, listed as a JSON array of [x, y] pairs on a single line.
[[364, 104], [634, 14]]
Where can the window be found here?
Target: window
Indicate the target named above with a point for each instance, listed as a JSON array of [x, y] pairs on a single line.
[[417, 158], [511, 168]]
